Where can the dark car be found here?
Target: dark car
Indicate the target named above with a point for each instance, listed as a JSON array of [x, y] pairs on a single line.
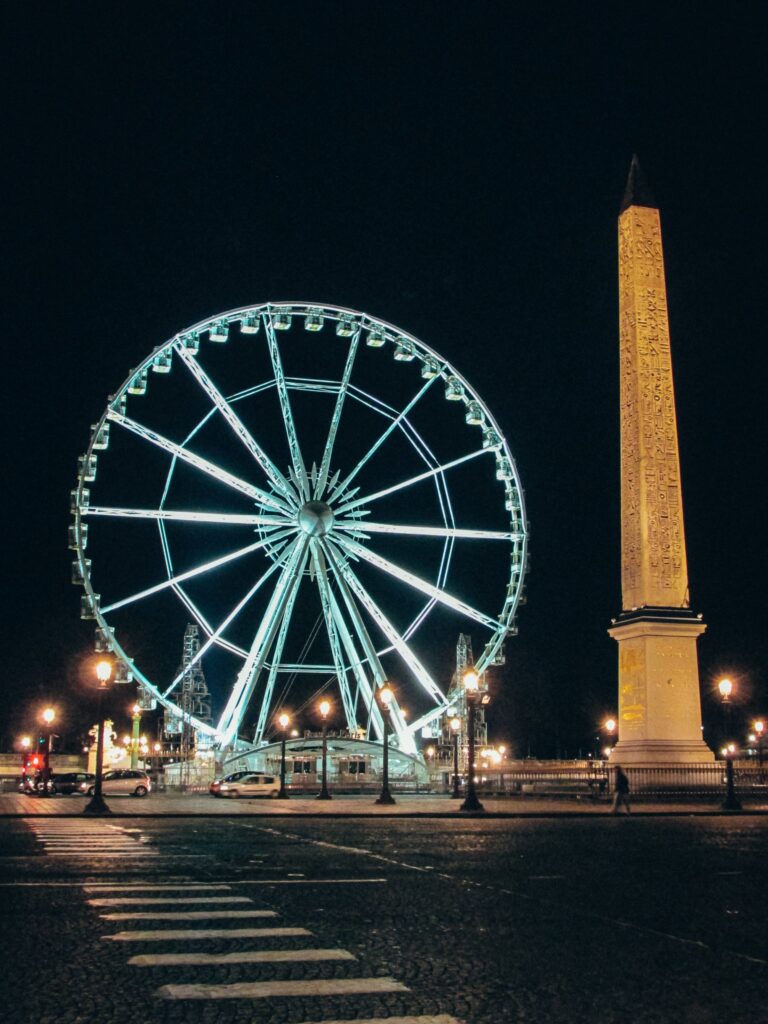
[[59, 782], [71, 782]]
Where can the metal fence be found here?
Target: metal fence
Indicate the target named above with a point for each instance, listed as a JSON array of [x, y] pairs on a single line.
[[596, 781]]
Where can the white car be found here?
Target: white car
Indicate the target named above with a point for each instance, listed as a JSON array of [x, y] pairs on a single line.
[[128, 782], [250, 784]]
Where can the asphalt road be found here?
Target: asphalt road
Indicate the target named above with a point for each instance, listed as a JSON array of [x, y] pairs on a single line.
[[542, 920]]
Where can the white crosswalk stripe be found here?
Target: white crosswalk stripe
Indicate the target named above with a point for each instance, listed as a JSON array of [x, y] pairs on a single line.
[[95, 887], [441, 1018], [149, 901], [271, 989], [265, 956], [193, 935], [187, 915]]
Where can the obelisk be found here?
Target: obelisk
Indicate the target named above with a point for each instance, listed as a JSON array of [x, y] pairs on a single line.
[[659, 700]]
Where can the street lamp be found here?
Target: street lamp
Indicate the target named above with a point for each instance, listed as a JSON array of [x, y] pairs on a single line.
[[385, 696], [731, 802], [135, 726], [455, 729], [48, 717], [325, 707], [472, 692], [97, 804], [759, 727], [283, 721]]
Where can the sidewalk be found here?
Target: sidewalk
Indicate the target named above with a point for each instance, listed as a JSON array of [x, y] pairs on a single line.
[[13, 805]]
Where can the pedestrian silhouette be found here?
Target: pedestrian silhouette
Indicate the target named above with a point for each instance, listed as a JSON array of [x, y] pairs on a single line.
[[621, 791]]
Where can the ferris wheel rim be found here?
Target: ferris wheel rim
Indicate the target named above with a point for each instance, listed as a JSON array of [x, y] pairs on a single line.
[[364, 322]]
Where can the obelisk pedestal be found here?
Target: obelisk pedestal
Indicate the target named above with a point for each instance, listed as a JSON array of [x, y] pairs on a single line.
[[659, 702]]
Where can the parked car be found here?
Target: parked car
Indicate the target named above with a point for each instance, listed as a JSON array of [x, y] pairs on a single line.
[[127, 782], [249, 784], [70, 782], [233, 777]]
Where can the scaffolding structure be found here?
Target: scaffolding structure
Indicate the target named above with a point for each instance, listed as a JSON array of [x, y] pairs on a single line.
[[194, 700]]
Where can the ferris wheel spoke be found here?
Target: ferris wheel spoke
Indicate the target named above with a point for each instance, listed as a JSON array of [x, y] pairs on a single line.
[[216, 636], [234, 421], [189, 516], [363, 526], [409, 482], [297, 461], [237, 704], [198, 462], [382, 438], [321, 575], [400, 573], [277, 654], [394, 638], [404, 737], [325, 464], [199, 570]]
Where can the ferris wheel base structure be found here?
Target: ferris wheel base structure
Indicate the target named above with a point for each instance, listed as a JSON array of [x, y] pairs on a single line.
[[285, 462], [350, 761]]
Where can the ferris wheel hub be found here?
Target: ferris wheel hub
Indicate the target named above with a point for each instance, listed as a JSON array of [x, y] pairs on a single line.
[[315, 518]]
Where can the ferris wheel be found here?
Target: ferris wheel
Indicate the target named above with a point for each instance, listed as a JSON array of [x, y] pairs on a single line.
[[323, 494]]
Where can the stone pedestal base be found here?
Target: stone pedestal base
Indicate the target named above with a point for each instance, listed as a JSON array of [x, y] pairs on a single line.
[[652, 753], [659, 703]]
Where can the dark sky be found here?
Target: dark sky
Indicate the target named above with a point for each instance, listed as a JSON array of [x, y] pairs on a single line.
[[453, 168]]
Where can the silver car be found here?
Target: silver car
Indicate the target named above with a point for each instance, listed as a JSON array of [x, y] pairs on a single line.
[[250, 784], [125, 782]]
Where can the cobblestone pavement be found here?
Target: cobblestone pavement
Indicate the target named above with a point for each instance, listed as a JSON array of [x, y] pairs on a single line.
[[414, 921]]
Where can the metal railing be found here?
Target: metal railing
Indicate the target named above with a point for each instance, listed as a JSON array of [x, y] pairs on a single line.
[[658, 782]]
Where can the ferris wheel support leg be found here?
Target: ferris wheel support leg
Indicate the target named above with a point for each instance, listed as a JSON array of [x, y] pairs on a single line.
[[405, 739], [261, 725], [321, 571], [241, 694], [392, 635], [365, 687]]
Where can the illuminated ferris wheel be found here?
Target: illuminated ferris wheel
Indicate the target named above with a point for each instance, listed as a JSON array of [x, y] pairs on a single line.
[[324, 495]]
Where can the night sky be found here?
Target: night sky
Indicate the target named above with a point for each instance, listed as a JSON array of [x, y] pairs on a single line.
[[455, 169]]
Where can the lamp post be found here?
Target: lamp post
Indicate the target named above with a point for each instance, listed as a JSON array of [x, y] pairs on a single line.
[[455, 728], [283, 721], [731, 802], [609, 728], [135, 726], [325, 707], [48, 717], [759, 727], [385, 696], [25, 742], [471, 690], [97, 804]]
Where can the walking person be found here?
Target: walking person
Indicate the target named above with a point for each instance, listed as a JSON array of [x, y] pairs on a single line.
[[621, 791]]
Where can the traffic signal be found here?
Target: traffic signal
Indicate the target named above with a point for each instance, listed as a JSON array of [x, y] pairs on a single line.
[[32, 763]]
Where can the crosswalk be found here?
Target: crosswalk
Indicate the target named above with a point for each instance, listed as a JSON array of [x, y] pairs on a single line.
[[177, 911]]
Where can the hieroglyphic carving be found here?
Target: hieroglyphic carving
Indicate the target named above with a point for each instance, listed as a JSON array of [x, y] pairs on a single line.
[[654, 569]]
